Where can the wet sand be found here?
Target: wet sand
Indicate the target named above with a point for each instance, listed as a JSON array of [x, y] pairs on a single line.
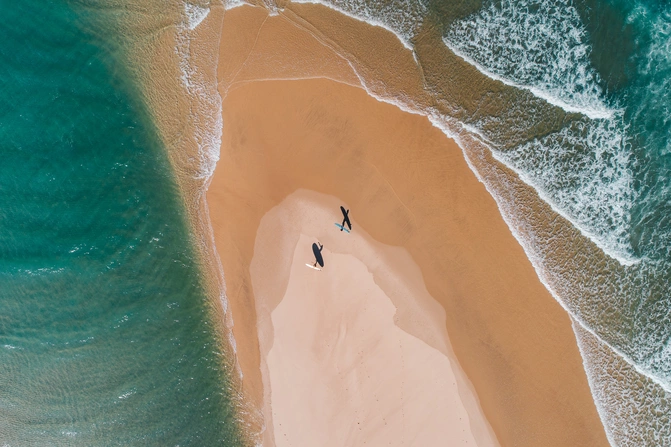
[[408, 186]]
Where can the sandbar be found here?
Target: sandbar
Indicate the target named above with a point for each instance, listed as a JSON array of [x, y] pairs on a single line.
[[408, 186]]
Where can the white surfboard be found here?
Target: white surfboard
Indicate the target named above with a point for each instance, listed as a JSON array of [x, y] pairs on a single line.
[[313, 267]]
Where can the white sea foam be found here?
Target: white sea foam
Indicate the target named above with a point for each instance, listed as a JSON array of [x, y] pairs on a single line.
[[127, 394], [43, 271], [658, 57], [402, 19], [649, 354], [650, 96], [593, 113], [655, 69], [231, 4], [584, 172], [541, 48], [195, 14], [203, 93], [635, 411]]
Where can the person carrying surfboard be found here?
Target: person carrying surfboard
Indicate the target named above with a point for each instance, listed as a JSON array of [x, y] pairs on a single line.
[[317, 250], [345, 220]]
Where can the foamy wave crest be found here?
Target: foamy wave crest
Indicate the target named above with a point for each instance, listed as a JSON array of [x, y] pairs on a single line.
[[398, 17], [635, 411], [195, 14], [584, 172], [203, 92], [231, 4], [541, 48]]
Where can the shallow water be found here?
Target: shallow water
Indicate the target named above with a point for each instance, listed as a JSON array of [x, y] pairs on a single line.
[[106, 334]]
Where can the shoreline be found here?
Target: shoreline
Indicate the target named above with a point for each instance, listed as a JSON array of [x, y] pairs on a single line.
[[506, 342], [178, 83]]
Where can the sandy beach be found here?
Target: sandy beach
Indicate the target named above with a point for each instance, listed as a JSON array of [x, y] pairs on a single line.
[[348, 374], [431, 290]]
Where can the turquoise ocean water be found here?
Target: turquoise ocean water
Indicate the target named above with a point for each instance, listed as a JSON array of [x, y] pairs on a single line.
[[563, 110], [106, 337]]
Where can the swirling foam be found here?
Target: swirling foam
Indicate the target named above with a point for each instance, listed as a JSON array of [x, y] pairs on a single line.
[[542, 48]]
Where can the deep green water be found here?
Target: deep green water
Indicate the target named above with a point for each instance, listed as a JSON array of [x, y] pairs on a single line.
[[105, 334]]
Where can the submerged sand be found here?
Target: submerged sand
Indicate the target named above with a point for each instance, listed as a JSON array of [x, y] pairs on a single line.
[[408, 186]]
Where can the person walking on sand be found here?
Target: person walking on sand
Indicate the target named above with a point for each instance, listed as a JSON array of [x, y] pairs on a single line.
[[345, 220], [317, 250]]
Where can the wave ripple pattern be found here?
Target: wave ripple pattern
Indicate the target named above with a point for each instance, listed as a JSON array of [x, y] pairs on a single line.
[[584, 169]]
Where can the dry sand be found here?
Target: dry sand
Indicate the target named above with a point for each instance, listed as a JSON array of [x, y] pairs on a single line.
[[339, 369], [408, 186]]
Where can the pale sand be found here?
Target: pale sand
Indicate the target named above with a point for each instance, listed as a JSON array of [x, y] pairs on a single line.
[[348, 375], [408, 186]]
